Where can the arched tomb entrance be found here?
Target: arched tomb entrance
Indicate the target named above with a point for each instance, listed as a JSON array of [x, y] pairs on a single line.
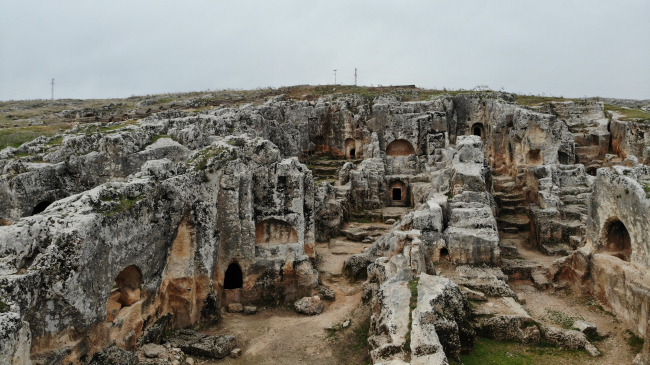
[[617, 240], [319, 143], [478, 130], [400, 147], [350, 149], [234, 278]]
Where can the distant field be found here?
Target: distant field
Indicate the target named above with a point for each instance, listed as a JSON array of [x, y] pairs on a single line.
[[15, 116]]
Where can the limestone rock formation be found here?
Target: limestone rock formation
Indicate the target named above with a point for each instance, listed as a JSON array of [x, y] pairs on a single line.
[[309, 305], [112, 234]]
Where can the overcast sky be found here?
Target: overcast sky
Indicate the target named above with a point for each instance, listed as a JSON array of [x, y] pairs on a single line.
[[101, 49]]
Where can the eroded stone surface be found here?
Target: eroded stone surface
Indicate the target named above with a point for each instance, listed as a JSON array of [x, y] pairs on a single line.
[[215, 208]]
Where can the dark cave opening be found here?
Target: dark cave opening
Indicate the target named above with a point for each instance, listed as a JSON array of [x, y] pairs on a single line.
[[40, 207], [233, 278], [444, 253]]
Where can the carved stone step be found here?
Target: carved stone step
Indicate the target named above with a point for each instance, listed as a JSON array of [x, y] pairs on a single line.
[[520, 222]]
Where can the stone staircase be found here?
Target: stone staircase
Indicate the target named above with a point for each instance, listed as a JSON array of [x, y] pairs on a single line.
[[325, 168], [511, 201], [512, 219], [560, 231]]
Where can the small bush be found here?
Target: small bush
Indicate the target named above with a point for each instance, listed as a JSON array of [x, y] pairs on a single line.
[[635, 342]]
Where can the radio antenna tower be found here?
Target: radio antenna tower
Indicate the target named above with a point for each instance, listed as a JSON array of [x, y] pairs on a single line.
[[52, 89], [334, 77], [355, 76]]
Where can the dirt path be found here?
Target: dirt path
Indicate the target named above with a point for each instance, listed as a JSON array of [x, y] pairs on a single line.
[[282, 336], [563, 307]]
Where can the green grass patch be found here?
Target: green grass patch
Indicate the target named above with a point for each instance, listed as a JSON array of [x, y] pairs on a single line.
[[4, 307], [222, 154], [156, 138], [413, 303], [122, 204], [646, 188], [561, 319], [628, 114], [55, 141], [491, 352], [635, 342], [21, 154], [15, 137], [350, 346], [532, 100]]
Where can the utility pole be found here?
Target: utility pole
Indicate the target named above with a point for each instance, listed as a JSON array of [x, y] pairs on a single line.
[[355, 76], [52, 89], [334, 77]]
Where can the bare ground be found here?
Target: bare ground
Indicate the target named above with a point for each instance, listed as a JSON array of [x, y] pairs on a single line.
[[562, 307], [282, 336]]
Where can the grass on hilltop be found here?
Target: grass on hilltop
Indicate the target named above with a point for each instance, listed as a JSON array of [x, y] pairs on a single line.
[[628, 113], [14, 137]]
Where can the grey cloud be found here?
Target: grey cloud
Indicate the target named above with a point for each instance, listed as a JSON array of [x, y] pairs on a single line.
[[119, 48]]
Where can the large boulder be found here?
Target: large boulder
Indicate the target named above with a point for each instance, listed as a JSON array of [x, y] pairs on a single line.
[[355, 267], [328, 215], [569, 338], [389, 324], [197, 344], [443, 309], [309, 305], [156, 332], [114, 356]]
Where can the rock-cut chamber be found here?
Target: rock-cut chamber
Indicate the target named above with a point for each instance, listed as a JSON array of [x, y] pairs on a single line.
[[617, 240]]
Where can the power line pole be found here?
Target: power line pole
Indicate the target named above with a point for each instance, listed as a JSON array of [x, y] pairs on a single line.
[[355, 76], [52, 89]]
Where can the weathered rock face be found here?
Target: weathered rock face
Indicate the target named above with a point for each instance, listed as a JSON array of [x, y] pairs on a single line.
[[111, 157], [618, 237], [537, 139], [613, 264], [472, 233], [109, 228], [631, 138], [309, 305], [570, 339], [620, 195], [112, 356], [562, 192], [16, 339], [197, 344], [442, 314], [330, 212], [367, 184], [389, 326], [590, 128], [166, 242]]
